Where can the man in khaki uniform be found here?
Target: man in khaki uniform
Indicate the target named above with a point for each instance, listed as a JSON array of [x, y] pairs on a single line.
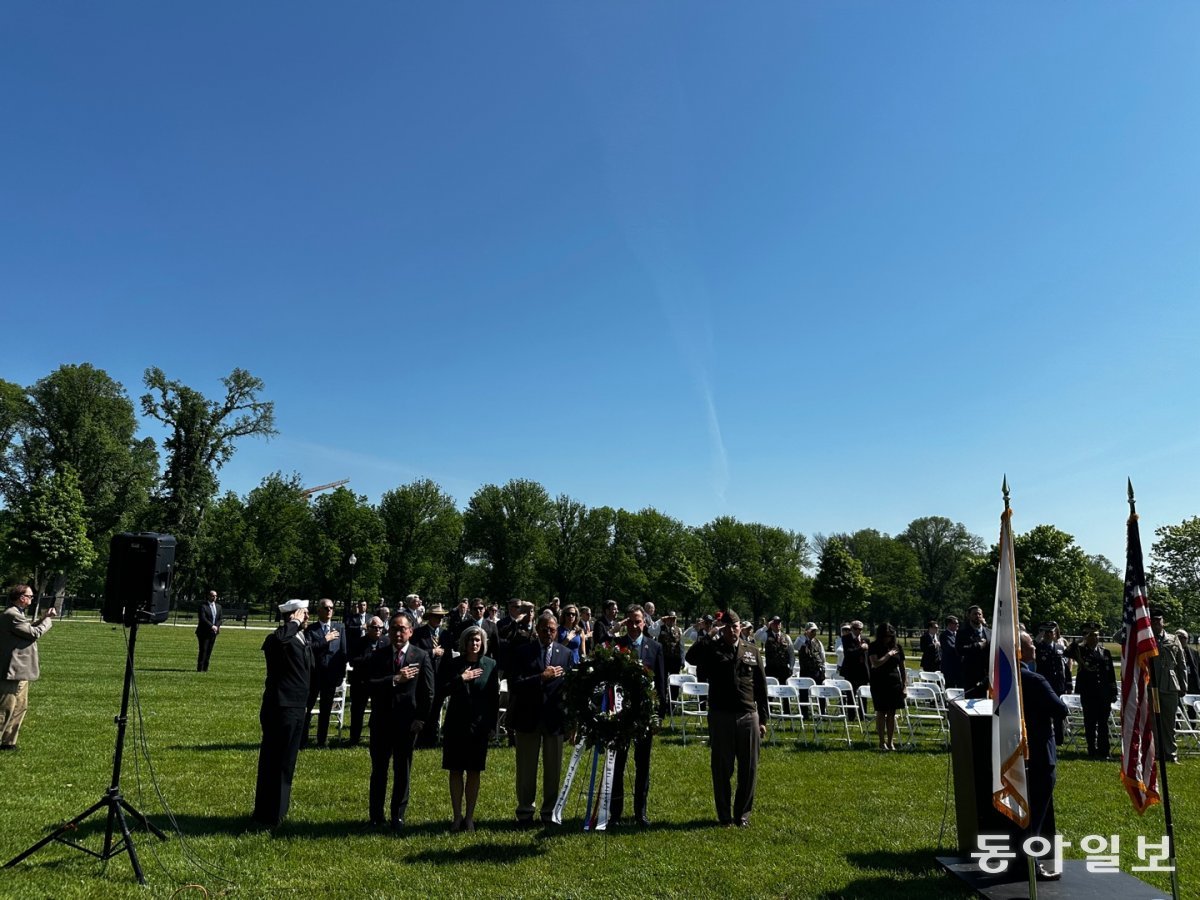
[[1170, 669], [18, 660]]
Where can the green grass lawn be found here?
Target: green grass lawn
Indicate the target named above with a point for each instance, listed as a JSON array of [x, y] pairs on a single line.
[[832, 823]]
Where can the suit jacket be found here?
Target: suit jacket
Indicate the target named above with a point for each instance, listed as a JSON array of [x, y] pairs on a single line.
[[289, 666], [18, 645], [205, 619], [602, 632], [973, 646], [1042, 707], [655, 661], [404, 702], [534, 704], [356, 632], [423, 638], [329, 657], [1192, 658]]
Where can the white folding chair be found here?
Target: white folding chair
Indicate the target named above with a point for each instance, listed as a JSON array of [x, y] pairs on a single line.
[[923, 710], [954, 694], [783, 703], [832, 710], [1186, 723], [864, 699], [936, 677], [502, 716], [1074, 723], [849, 700], [677, 681], [772, 680], [692, 696]]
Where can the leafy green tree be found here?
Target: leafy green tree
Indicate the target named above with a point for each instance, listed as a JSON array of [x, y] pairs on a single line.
[[1176, 567], [576, 547], [225, 556], [1054, 580], [49, 533], [78, 417], [944, 550], [730, 562], [423, 528], [665, 552], [343, 523], [840, 589], [504, 532], [202, 436], [1108, 587], [895, 574], [279, 521], [778, 587]]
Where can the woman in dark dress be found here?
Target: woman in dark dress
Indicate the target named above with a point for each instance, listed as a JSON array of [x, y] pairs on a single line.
[[473, 687], [888, 683]]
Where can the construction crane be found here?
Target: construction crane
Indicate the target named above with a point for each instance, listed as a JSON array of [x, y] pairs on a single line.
[[308, 492]]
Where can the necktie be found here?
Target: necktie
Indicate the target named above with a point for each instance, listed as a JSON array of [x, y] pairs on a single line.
[[548, 656]]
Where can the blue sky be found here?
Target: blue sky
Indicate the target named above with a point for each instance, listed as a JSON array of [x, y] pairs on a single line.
[[821, 265]]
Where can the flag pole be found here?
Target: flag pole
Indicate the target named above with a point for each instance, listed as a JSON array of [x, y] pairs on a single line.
[[1160, 739]]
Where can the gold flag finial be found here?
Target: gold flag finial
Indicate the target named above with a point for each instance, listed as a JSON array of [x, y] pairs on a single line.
[[1004, 490], [1132, 502]]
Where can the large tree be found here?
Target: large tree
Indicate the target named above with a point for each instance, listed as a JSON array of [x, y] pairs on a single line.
[[344, 524], [944, 550], [49, 531], [78, 418], [201, 439], [730, 562], [577, 541], [895, 574], [504, 531], [423, 528], [840, 590], [1176, 566]]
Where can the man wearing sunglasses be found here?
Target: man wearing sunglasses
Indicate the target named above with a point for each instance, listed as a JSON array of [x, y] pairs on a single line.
[[18, 660]]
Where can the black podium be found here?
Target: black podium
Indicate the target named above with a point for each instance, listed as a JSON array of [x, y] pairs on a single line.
[[971, 750]]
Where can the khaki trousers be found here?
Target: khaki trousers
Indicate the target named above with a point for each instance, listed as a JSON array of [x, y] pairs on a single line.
[[14, 701], [550, 746]]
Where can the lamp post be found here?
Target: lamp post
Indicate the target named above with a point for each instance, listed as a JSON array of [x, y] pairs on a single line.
[[350, 599]]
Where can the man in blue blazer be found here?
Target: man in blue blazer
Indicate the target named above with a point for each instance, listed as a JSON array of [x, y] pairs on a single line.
[[401, 679], [650, 652], [536, 716]]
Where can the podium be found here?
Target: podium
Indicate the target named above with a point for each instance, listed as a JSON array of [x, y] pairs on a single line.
[[971, 752]]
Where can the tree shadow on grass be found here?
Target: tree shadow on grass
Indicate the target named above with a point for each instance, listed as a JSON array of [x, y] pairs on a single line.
[[244, 745]]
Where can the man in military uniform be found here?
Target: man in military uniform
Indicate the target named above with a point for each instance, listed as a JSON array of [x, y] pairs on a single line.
[[778, 655], [1049, 663], [671, 639], [1096, 684], [1170, 669], [737, 714]]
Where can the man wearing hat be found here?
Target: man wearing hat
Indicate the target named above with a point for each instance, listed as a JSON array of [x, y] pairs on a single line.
[[737, 714], [1170, 667], [434, 640], [289, 662], [1049, 663], [671, 639], [514, 630], [1096, 684], [778, 653]]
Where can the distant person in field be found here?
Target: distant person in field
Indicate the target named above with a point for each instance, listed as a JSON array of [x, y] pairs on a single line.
[[974, 646], [208, 626], [931, 648], [948, 653], [18, 660]]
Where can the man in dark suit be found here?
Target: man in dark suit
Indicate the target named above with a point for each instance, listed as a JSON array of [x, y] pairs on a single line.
[[208, 626], [431, 637], [285, 695], [649, 651], [401, 678], [356, 628], [514, 629], [1044, 710], [948, 654], [605, 628], [360, 688], [328, 644], [974, 646], [536, 716]]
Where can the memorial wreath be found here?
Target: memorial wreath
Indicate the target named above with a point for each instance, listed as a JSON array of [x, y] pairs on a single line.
[[589, 699]]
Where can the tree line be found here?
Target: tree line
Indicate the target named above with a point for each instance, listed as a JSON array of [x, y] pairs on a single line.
[[74, 471]]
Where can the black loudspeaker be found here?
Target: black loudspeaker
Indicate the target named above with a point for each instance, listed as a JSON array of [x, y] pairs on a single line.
[[138, 586]]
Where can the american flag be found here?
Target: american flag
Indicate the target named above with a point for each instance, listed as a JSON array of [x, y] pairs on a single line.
[[1137, 708]]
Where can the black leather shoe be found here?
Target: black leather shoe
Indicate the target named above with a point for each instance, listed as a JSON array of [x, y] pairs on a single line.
[[397, 825], [743, 823], [1044, 874]]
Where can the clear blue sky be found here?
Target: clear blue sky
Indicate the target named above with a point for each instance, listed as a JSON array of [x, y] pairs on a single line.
[[821, 265]]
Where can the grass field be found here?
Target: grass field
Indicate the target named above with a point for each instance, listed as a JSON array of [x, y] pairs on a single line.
[[827, 823]]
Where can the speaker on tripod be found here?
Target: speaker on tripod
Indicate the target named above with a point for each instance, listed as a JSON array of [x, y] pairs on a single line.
[[138, 587]]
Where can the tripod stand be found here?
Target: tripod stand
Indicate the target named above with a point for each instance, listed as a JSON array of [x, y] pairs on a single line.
[[112, 800]]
